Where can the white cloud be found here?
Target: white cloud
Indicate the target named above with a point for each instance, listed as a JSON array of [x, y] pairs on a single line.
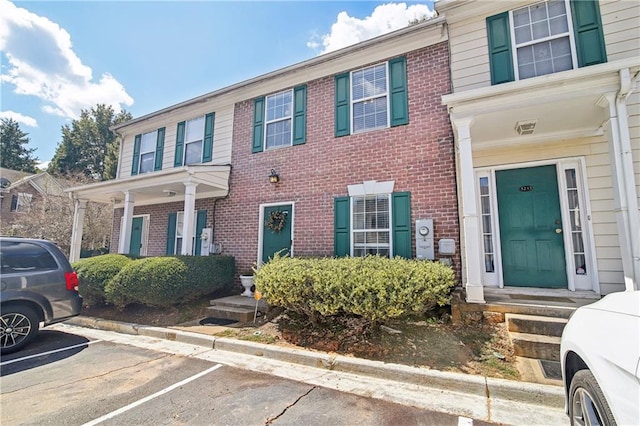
[[385, 18], [42, 63], [20, 118]]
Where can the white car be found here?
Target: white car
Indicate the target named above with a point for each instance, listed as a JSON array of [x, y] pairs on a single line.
[[600, 354]]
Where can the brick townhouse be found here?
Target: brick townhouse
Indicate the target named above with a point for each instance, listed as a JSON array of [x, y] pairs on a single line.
[[342, 154]]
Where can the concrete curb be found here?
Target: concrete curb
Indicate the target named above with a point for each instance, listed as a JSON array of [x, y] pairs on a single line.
[[495, 389]]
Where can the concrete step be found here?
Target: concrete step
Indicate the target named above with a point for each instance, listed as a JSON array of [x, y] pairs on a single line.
[[529, 309], [230, 312], [533, 324], [240, 302], [536, 346]]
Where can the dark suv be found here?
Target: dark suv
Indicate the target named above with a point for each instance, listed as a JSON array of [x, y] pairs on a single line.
[[38, 285]]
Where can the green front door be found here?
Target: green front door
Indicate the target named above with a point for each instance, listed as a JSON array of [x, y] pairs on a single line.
[[136, 236], [531, 228], [274, 240]]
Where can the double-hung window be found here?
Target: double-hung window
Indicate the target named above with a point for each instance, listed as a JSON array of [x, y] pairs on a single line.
[[194, 134], [374, 97], [148, 151], [194, 141], [21, 202], [279, 119], [369, 100], [371, 225], [545, 38], [175, 232]]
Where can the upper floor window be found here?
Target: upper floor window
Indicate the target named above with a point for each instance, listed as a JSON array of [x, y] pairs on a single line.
[[279, 116], [194, 134], [545, 38], [148, 150], [194, 141], [371, 98], [280, 119]]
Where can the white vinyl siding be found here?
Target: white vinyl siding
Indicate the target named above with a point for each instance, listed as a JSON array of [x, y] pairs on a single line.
[[222, 135]]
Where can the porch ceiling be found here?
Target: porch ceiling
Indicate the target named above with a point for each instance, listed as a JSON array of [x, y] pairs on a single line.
[[565, 105], [158, 187]]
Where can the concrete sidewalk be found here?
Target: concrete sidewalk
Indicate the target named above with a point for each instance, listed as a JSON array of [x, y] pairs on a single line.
[[479, 397]]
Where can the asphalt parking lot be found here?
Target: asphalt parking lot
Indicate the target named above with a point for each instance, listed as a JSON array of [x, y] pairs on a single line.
[[73, 379]]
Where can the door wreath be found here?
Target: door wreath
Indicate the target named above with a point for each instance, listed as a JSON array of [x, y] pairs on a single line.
[[276, 221]]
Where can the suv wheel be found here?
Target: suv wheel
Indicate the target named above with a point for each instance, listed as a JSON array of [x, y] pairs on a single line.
[[18, 325]]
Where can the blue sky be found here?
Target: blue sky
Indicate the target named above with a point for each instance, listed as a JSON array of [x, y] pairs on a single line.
[[59, 57]]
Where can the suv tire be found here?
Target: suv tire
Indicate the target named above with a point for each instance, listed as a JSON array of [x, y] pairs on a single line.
[[18, 325]]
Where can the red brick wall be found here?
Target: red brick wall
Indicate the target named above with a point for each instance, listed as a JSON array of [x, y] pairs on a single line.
[[419, 157]]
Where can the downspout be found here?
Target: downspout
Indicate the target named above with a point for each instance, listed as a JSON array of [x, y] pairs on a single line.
[[627, 86], [120, 138], [213, 224]]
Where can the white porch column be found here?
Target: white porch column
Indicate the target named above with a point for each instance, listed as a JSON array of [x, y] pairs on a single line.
[[127, 219], [188, 226], [76, 232], [470, 221], [624, 190]]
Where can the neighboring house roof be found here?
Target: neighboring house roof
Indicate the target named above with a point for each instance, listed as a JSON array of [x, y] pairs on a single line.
[[42, 182], [9, 177]]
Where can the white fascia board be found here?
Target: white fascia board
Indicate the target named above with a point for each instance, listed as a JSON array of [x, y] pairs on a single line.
[[593, 79]]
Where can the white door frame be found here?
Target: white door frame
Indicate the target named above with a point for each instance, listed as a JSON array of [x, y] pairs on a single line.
[[588, 282], [144, 238]]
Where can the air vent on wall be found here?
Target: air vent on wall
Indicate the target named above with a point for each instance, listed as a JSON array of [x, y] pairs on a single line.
[[526, 127]]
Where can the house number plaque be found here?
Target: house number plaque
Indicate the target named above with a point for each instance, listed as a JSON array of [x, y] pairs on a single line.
[[526, 188]]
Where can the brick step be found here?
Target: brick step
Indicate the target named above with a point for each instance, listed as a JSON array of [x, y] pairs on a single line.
[[536, 346], [230, 312], [533, 324]]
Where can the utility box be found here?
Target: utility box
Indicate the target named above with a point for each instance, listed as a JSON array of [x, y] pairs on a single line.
[[446, 247], [205, 241], [424, 239]]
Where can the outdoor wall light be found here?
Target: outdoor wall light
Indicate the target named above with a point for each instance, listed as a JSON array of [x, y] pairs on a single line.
[[274, 177]]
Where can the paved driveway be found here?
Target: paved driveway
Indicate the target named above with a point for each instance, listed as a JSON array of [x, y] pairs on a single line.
[[74, 379]]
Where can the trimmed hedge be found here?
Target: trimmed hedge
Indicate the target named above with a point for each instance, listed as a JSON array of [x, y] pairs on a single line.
[[373, 287], [170, 280], [95, 272]]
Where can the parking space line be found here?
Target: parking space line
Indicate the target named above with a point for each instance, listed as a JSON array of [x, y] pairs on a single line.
[[150, 397], [24, 358]]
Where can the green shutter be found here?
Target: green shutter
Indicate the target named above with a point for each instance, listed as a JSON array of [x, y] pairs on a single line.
[[343, 106], [300, 115], [500, 58], [588, 32], [201, 222], [178, 159], [258, 125], [207, 149], [135, 164], [159, 149], [398, 87], [171, 233], [401, 232], [341, 226]]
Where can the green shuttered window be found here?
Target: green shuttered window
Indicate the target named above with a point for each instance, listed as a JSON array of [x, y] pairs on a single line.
[[538, 40], [148, 152], [194, 140], [371, 98], [174, 232], [280, 119], [362, 225]]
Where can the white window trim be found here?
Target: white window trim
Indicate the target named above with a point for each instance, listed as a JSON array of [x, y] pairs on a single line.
[[178, 247], [589, 282], [267, 122], [186, 142], [24, 202], [370, 187], [352, 102], [261, 227], [514, 46], [153, 151], [144, 238]]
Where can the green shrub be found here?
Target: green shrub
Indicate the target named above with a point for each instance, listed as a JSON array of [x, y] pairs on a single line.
[[373, 287], [165, 281], [95, 272]]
